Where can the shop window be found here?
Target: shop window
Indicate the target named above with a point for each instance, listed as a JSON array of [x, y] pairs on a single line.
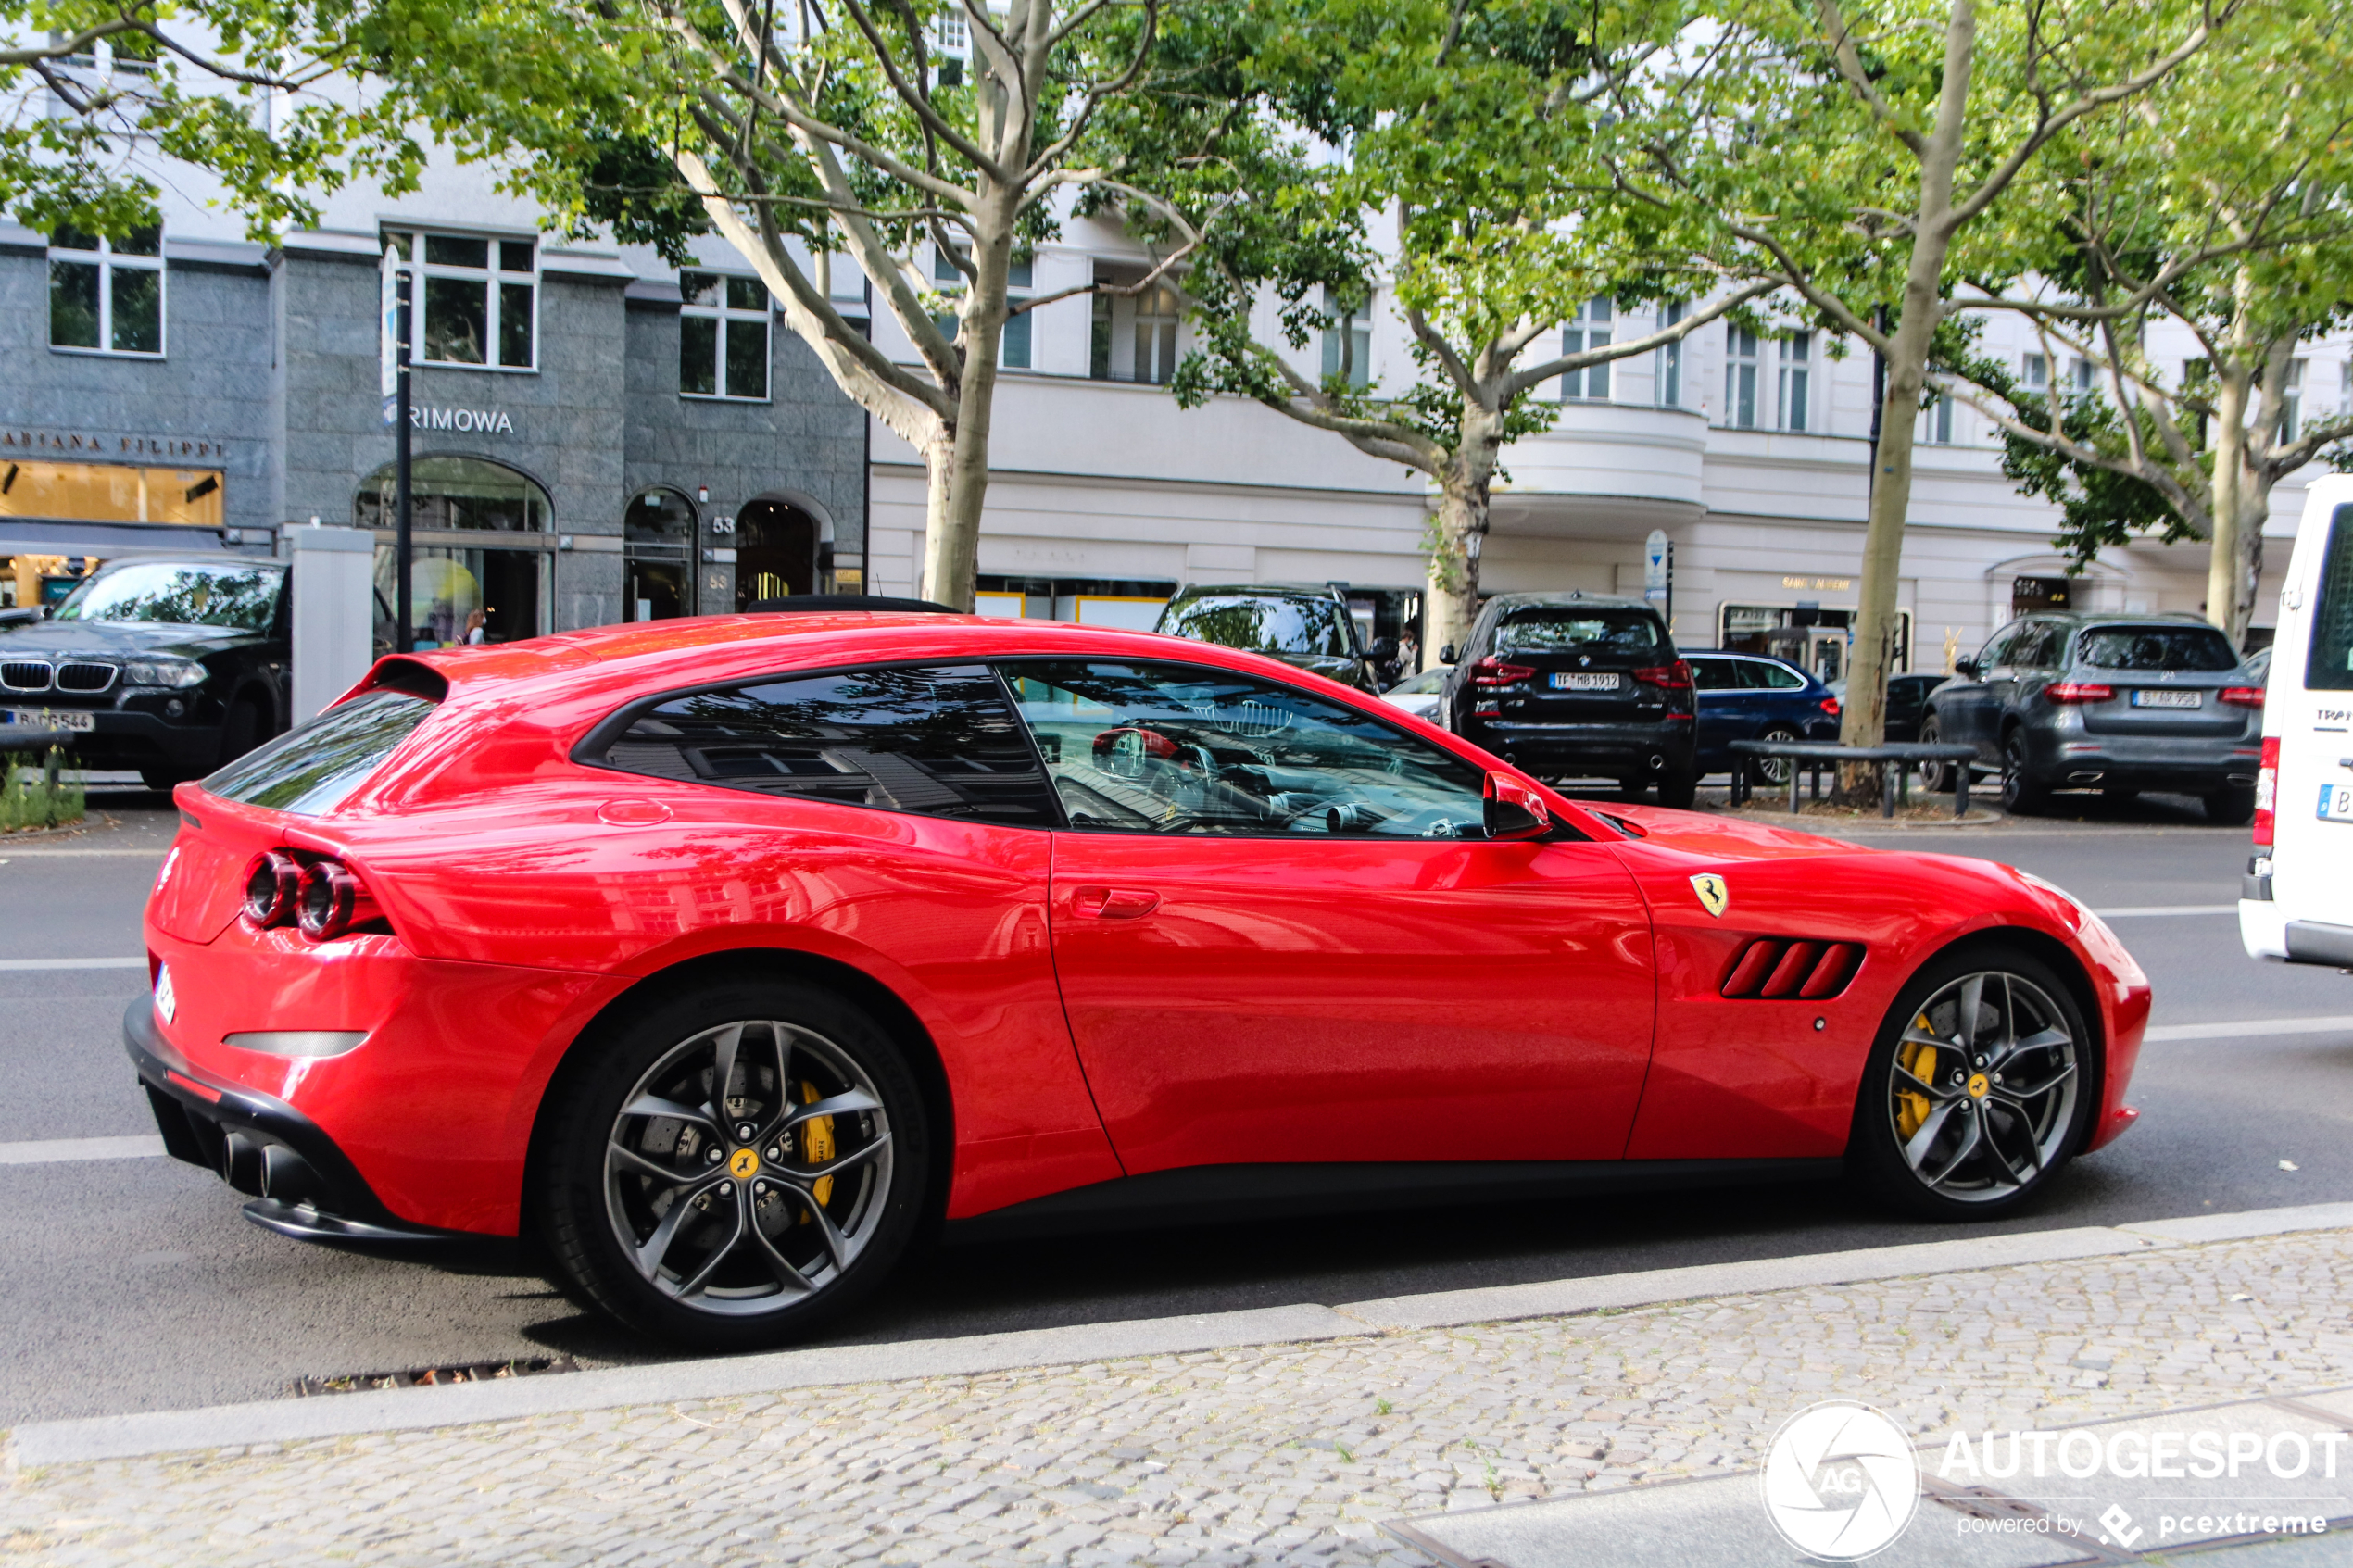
[[1739, 378], [476, 301], [110, 493], [1589, 331], [722, 336], [1348, 344], [105, 296], [455, 492]]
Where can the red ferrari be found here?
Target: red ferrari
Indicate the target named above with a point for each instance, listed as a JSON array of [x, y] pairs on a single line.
[[731, 954]]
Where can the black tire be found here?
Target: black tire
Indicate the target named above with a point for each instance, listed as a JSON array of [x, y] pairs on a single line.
[[241, 730], [1936, 778], [162, 779], [2023, 793], [1678, 787], [2033, 1134], [1773, 772], [766, 1219], [2230, 807]]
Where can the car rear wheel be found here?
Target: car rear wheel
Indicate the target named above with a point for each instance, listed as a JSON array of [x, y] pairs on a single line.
[[1936, 778], [1978, 1090], [1773, 772], [1678, 787], [2230, 807], [2021, 792], [736, 1166]]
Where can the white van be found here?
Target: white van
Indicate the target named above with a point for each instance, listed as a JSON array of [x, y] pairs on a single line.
[[2296, 901]]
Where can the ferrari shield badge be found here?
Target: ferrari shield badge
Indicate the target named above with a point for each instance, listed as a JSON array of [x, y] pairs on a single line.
[[1713, 895]]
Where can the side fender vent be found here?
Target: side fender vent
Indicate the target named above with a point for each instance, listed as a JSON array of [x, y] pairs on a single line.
[[1790, 968]]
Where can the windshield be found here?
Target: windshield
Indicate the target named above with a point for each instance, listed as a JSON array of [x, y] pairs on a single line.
[[1626, 633], [1261, 623], [2156, 648], [314, 768], [179, 593]]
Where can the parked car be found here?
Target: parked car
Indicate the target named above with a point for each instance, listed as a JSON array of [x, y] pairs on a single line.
[[730, 958], [2114, 703], [1307, 627], [1419, 695], [2259, 667], [1575, 685], [168, 666], [1906, 702], [1749, 697]]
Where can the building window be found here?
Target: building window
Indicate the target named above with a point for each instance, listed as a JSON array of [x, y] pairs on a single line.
[[109, 493], [1348, 344], [2079, 372], [1589, 330], [2034, 373], [1156, 317], [1013, 338], [1936, 420], [105, 296], [722, 336], [1796, 380], [1670, 361], [2292, 401], [475, 301], [1739, 378]]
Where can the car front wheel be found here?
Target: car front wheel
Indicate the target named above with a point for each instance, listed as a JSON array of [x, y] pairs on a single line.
[[1978, 1090], [735, 1165], [2021, 792]]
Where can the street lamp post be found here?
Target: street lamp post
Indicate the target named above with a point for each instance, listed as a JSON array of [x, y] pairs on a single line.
[[395, 389]]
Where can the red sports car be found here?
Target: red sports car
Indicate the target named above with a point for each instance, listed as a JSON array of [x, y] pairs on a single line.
[[732, 953]]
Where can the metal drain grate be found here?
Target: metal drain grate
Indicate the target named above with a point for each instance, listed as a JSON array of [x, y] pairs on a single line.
[[432, 1376]]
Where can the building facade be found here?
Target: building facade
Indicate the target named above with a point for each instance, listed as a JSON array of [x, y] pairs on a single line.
[[597, 436]]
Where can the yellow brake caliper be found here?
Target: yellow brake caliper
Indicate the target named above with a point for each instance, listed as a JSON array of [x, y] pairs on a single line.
[[817, 1143], [1919, 1061]]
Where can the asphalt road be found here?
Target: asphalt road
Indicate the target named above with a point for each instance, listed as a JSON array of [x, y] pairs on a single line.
[[135, 1283]]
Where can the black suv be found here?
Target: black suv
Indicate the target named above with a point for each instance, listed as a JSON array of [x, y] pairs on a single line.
[[1575, 685], [2114, 703], [1307, 627], [172, 667]]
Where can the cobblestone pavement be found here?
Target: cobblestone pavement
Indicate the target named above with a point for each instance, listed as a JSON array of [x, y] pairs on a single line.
[[1272, 1454]]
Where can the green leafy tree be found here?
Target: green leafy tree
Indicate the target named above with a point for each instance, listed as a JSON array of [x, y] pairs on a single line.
[[1866, 157]]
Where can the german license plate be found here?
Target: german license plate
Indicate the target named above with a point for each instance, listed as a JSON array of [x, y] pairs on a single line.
[[1580, 681], [2337, 803], [47, 718], [2167, 699]]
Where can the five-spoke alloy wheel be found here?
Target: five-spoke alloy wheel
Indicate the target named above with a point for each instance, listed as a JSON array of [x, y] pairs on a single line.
[[1980, 1087], [736, 1166]]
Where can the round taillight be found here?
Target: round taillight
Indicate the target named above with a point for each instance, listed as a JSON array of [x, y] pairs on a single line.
[[272, 882], [326, 899]]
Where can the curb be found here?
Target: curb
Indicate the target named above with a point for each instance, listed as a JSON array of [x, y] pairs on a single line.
[[410, 1410]]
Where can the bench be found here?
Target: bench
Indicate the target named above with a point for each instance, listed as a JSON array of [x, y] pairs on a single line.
[[1813, 754]]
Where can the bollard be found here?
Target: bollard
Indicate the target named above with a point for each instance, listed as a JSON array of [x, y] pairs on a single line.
[[1886, 796]]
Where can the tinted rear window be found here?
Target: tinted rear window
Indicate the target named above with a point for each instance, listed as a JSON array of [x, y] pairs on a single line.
[[1261, 624], [1626, 633], [939, 742], [314, 766], [2328, 667], [2152, 650]]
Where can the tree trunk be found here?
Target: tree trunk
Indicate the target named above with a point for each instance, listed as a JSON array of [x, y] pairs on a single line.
[[1450, 598], [951, 527], [2225, 562]]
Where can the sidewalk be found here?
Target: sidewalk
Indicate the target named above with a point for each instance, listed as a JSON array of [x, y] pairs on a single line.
[[1176, 1442]]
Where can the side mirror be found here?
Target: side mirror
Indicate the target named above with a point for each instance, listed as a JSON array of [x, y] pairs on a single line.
[[1382, 651], [1515, 810], [1966, 668], [1446, 654]]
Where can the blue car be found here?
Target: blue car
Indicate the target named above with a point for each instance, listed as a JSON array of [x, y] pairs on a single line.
[[1749, 697]]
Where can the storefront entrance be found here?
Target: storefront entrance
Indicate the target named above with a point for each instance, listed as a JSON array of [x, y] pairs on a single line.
[[481, 555], [1809, 637], [776, 552], [657, 560]]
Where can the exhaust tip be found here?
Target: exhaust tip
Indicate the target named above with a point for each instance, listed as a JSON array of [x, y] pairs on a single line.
[[241, 1163]]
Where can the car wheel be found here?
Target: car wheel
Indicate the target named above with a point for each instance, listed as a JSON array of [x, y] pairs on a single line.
[[1678, 787], [162, 779], [2021, 792], [1978, 1087], [1936, 778], [2230, 807], [735, 1165], [1773, 771], [240, 730]]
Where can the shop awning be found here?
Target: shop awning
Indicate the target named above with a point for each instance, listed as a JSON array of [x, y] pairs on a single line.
[[68, 536]]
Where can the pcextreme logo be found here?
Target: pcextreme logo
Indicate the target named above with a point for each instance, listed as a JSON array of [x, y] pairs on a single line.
[[1840, 1482]]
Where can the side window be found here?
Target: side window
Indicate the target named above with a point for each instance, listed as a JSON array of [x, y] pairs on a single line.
[[2038, 649], [1774, 677], [1183, 748], [1715, 675], [936, 742], [1996, 649], [2329, 666]]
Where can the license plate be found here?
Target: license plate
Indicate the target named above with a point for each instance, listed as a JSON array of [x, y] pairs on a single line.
[[2167, 699], [46, 719], [1580, 681]]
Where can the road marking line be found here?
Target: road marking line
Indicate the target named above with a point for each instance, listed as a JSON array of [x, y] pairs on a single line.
[[24, 965], [58, 1151], [2167, 910], [2250, 1028], [80, 854]]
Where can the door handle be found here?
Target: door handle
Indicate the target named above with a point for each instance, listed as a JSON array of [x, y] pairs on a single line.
[[1113, 903]]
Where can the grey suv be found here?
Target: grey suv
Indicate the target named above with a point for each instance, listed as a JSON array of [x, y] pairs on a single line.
[[2114, 703]]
